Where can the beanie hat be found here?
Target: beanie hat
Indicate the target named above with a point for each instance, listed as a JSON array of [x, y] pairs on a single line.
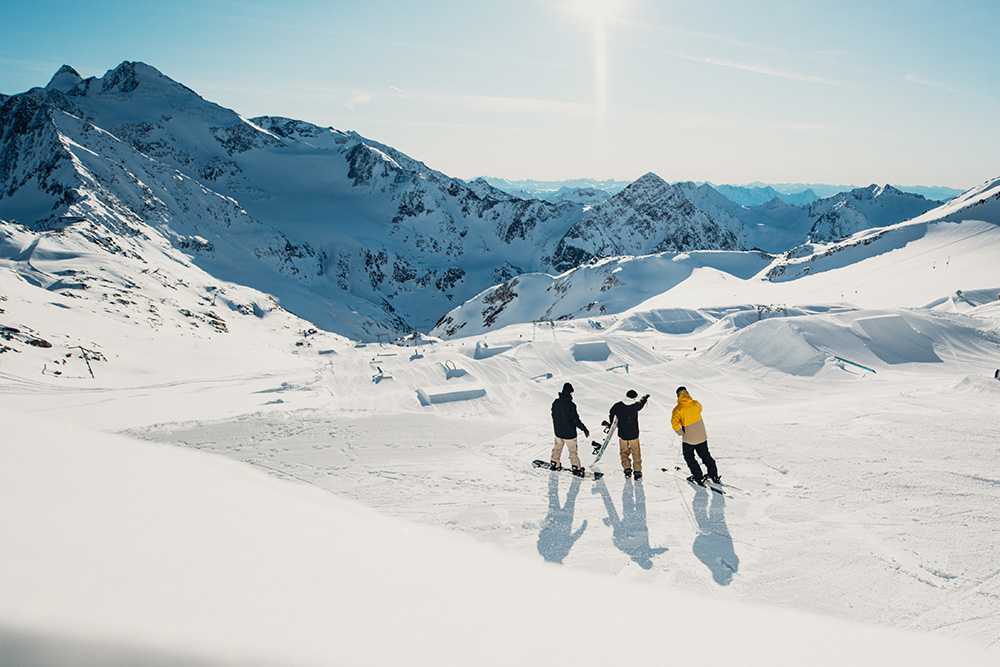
[[680, 389], [567, 389], [632, 393]]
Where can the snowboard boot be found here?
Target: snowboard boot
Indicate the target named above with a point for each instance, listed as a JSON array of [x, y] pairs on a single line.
[[555, 465], [637, 475], [695, 479], [628, 473], [715, 480], [579, 471]]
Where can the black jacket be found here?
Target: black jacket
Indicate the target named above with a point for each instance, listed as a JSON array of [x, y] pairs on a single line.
[[565, 419], [628, 418]]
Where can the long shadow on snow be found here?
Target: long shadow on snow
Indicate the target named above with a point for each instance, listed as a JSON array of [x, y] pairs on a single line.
[[630, 532], [714, 545], [557, 537], [47, 648]]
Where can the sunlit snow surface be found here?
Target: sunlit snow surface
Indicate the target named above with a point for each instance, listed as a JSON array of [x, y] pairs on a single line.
[[376, 504], [869, 497]]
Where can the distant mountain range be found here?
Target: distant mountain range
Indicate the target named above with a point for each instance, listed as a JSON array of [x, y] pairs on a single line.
[[347, 232], [935, 192], [614, 285], [751, 194], [757, 195]]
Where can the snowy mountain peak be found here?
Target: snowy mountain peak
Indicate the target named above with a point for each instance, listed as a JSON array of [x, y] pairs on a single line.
[[875, 190], [484, 190], [877, 205], [647, 180], [649, 215], [130, 75], [66, 78]]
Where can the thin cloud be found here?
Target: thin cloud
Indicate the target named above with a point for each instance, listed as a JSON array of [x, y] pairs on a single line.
[[359, 98], [698, 34], [929, 83], [763, 70], [500, 103], [801, 126]]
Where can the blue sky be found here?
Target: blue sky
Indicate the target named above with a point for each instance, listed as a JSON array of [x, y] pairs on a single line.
[[844, 92]]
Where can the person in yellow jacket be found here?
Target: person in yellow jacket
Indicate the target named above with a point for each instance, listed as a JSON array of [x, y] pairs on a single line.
[[688, 423]]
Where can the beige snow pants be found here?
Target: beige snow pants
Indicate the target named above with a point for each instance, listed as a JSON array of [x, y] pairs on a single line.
[[570, 444], [631, 454]]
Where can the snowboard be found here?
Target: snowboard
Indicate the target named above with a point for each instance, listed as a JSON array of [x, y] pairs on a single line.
[[601, 447], [538, 463]]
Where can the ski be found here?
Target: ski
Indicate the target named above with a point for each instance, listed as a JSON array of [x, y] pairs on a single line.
[[707, 484], [538, 463], [725, 488]]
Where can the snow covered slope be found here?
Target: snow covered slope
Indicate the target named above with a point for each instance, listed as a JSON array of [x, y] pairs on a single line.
[[953, 247], [979, 204], [346, 231], [844, 214], [108, 563], [352, 223], [600, 288], [857, 483]]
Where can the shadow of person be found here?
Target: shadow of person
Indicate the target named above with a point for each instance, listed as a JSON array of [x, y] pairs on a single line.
[[557, 537], [714, 545], [630, 532]]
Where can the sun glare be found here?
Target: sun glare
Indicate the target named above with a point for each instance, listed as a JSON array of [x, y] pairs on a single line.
[[597, 12], [597, 15]]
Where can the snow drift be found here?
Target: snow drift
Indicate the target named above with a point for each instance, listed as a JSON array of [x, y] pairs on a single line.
[[805, 345]]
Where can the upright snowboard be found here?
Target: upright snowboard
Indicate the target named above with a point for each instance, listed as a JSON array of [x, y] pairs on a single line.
[[601, 447]]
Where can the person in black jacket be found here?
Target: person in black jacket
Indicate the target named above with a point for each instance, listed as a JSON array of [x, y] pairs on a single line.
[[565, 422], [627, 415]]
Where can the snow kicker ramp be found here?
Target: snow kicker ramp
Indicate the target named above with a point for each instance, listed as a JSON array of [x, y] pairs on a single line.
[[595, 350], [428, 397], [664, 320], [803, 345], [894, 341]]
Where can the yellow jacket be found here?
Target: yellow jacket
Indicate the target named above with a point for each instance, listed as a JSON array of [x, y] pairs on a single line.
[[686, 420]]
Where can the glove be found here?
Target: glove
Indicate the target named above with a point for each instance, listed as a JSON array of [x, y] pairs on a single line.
[[646, 397]]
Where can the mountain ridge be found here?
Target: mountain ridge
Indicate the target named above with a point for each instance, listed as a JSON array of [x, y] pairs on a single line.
[[341, 229]]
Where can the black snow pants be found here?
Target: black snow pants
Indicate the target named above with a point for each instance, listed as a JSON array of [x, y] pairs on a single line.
[[706, 458]]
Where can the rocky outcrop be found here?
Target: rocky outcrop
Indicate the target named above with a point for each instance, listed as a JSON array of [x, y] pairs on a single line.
[[650, 215]]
